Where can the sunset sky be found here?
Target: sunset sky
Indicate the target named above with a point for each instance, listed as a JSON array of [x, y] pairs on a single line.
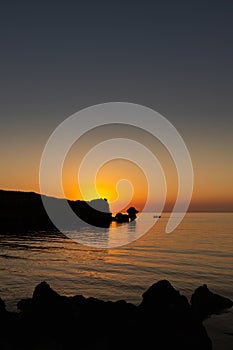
[[172, 56]]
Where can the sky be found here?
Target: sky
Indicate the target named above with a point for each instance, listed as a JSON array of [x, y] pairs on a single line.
[[175, 57]]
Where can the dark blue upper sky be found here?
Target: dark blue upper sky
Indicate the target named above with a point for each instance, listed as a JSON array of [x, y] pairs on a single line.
[[59, 56]]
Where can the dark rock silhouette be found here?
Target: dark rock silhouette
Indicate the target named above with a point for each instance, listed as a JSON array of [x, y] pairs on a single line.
[[163, 320], [95, 212], [119, 217], [2, 306], [25, 212], [163, 295], [171, 310], [8, 321], [132, 213], [206, 303]]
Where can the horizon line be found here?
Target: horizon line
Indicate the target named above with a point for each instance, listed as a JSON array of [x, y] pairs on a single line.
[[152, 211]]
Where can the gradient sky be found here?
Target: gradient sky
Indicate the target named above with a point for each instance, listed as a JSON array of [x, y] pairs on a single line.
[[175, 57]]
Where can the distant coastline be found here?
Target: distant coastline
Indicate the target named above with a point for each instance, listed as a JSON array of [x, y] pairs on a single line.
[[166, 210], [25, 211]]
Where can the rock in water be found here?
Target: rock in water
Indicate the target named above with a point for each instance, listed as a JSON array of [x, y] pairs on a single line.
[[206, 303]]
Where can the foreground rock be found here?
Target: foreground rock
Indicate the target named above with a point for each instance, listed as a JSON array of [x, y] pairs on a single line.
[[163, 320], [206, 303]]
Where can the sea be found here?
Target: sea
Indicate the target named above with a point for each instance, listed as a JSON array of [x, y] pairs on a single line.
[[199, 251]]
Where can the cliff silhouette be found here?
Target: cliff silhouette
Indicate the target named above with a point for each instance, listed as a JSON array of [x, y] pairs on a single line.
[[24, 211]]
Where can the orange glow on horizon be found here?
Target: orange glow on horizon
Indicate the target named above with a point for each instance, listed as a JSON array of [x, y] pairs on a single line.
[[121, 182], [213, 186]]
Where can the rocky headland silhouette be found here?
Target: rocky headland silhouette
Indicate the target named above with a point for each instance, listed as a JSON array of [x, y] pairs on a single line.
[[24, 211], [164, 319]]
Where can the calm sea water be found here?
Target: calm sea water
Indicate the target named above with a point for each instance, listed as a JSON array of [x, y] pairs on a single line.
[[199, 251]]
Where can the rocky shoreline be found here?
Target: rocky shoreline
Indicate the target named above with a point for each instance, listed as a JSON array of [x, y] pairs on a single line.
[[23, 212], [164, 319]]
